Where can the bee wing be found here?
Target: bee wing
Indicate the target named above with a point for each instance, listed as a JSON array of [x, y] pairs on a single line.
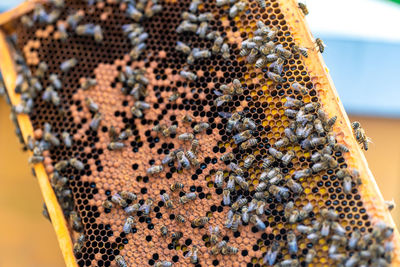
[[218, 93], [188, 254], [225, 115]]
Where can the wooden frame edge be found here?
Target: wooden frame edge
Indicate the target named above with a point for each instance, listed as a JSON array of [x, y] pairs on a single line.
[[369, 191], [58, 221]]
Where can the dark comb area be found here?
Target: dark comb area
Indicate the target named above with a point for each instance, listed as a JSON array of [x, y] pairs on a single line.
[[190, 133]]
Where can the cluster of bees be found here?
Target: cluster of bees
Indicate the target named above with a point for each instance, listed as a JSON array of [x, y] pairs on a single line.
[[309, 127], [199, 24]]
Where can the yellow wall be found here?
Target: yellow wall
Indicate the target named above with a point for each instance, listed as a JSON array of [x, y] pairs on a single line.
[[383, 156], [27, 239]]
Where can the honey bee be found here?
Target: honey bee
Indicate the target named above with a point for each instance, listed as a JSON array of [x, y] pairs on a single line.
[[293, 103], [232, 122], [120, 261], [279, 192], [128, 195], [329, 214], [155, 169], [257, 221], [125, 134], [154, 9], [146, 206], [338, 229], [79, 244], [226, 197], [200, 221], [176, 235], [291, 135], [300, 50], [176, 186], [318, 126], [163, 264], [167, 131], [289, 263], [189, 16], [239, 203], [267, 162], [225, 51], [183, 161], [275, 153], [186, 26], [51, 138], [236, 220], [354, 238], [179, 218], [260, 207], [76, 221], [304, 229], [249, 161], [66, 139], [347, 184], [227, 156], [235, 168], [134, 13], [187, 197], [115, 145], [95, 123], [261, 187], [132, 208], [236, 8], [117, 199], [248, 144], [186, 137], [320, 166], [390, 204], [294, 186], [174, 97], [164, 231], [231, 183], [182, 47], [194, 146], [217, 45], [272, 254], [200, 127], [229, 250], [107, 204], [168, 202], [360, 135], [320, 44], [92, 106], [200, 54], [316, 141], [130, 221], [193, 254], [68, 64], [187, 118], [41, 69], [74, 19], [304, 132], [219, 179], [292, 243], [27, 21], [77, 164], [341, 148], [214, 234], [88, 83], [243, 136], [303, 8], [262, 3], [281, 142]]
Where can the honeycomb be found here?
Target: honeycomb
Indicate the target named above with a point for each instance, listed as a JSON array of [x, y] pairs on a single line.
[[103, 171]]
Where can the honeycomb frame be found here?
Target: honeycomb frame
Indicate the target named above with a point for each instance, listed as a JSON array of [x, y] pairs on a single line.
[[327, 94]]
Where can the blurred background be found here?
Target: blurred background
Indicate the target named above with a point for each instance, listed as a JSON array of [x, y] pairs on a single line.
[[362, 53]]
